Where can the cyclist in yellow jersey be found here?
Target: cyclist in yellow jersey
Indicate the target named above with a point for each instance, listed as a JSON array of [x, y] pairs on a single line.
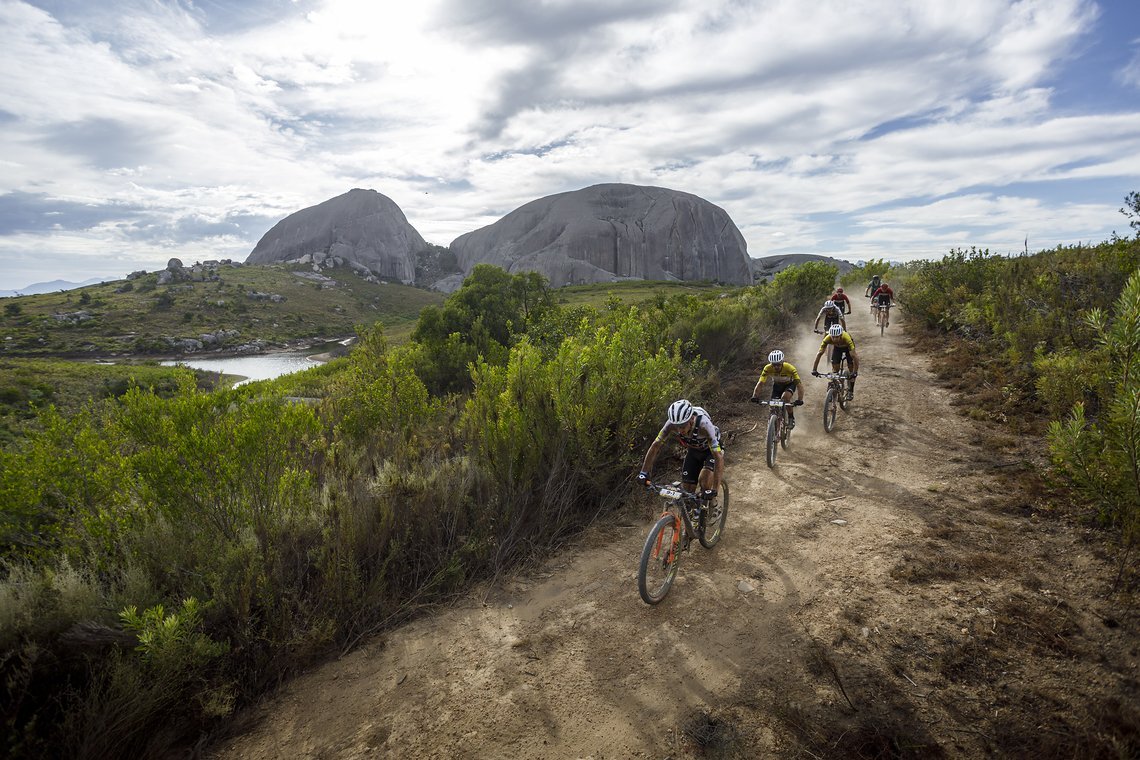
[[704, 458], [844, 345], [785, 380]]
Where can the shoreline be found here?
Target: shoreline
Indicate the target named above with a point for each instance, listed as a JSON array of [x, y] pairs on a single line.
[[292, 347]]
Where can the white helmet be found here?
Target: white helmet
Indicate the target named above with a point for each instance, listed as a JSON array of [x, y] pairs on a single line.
[[776, 356], [680, 412], [828, 304], [836, 330]]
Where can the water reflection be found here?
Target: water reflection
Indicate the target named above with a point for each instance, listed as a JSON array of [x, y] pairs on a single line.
[[260, 367]]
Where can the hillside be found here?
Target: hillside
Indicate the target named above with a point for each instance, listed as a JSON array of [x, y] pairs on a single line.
[[238, 308], [768, 266]]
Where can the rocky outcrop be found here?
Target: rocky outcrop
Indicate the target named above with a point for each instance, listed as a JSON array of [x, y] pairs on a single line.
[[363, 228], [611, 232], [770, 266]]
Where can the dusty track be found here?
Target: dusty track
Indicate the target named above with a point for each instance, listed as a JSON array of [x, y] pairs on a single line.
[[910, 630]]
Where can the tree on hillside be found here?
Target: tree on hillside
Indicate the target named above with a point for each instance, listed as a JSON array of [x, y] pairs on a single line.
[[478, 320]]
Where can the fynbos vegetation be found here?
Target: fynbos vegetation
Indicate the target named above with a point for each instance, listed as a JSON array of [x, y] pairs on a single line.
[[1052, 335], [167, 556]]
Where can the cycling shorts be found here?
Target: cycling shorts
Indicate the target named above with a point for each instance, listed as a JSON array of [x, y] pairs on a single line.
[[695, 461], [778, 389]]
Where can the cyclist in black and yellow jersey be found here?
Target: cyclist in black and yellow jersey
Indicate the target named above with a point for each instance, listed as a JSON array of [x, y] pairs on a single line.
[[844, 345], [785, 380]]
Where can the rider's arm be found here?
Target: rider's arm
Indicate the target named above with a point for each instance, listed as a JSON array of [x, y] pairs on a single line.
[[756, 390], [651, 457], [655, 449], [815, 366], [760, 382]]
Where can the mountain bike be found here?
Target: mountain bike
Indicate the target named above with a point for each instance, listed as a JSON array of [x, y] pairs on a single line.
[[686, 515], [778, 428], [882, 316], [836, 396]]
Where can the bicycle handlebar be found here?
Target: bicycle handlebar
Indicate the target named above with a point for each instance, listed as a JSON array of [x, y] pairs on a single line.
[[672, 492]]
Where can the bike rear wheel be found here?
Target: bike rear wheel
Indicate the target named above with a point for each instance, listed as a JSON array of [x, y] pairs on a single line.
[[830, 409], [713, 519], [785, 430], [659, 559]]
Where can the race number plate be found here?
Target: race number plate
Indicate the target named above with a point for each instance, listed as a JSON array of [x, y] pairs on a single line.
[[670, 493]]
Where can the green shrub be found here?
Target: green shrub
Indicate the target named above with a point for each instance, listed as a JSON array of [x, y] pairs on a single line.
[[1102, 456]]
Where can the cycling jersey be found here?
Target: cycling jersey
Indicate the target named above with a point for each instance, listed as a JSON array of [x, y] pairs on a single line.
[[704, 435], [786, 374], [883, 295], [843, 341], [837, 297], [831, 315]]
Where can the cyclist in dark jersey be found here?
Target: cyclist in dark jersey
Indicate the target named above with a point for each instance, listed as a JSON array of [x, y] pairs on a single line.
[[691, 427]]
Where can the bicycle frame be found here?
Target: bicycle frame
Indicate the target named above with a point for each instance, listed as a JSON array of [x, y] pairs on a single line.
[[660, 557], [678, 501], [778, 411], [835, 396]]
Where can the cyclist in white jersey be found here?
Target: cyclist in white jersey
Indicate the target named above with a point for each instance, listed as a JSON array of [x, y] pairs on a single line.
[[704, 458]]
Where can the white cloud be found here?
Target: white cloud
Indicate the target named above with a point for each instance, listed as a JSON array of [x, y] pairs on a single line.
[[796, 118]]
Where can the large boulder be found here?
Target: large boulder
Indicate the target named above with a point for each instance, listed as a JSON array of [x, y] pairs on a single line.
[[361, 227], [610, 232]]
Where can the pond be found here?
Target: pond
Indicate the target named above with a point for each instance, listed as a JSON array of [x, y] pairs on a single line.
[[260, 367]]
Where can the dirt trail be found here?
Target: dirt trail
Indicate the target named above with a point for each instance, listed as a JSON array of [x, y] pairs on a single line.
[[795, 637]]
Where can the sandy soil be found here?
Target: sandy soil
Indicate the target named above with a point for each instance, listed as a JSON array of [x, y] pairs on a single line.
[[873, 595]]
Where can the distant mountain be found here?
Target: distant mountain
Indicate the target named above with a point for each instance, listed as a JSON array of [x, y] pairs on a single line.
[[611, 232], [767, 266], [38, 288], [362, 229]]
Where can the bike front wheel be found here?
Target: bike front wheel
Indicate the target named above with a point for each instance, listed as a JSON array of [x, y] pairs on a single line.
[[773, 439], [714, 518], [659, 559], [830, 409]]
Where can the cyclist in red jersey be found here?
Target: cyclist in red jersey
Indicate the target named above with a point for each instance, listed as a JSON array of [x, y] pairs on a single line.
[[883, 297], [840, 298]]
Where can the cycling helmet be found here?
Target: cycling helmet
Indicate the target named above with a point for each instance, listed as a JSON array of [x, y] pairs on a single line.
[[680, 412], [828, 304], [835, 330], [776, 356], [839, 290]]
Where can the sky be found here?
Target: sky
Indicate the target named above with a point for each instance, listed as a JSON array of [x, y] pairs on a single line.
[[133, 131]]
